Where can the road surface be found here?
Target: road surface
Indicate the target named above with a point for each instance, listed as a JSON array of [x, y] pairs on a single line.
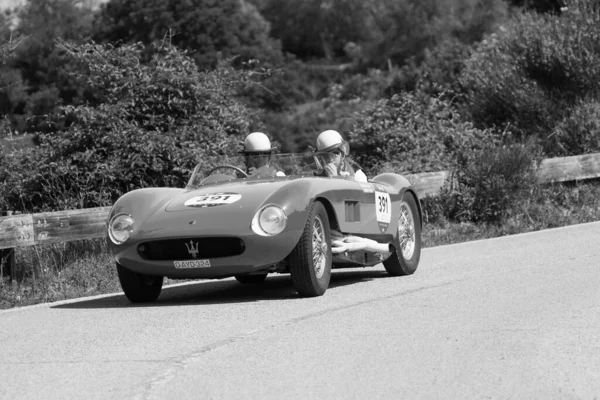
[[513, 317]]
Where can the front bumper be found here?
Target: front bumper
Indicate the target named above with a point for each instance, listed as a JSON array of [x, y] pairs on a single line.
[[260, 253]]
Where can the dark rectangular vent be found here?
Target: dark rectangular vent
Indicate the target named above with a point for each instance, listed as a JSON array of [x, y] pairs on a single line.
[[352, 211], [191, 248]]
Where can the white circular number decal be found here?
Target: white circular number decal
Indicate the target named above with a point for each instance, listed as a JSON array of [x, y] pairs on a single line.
[[211, 200]]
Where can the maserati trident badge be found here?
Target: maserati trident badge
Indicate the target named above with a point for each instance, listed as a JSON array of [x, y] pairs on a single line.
[[192, 250]]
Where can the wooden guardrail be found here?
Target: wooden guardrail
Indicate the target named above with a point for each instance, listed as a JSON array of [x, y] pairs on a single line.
[[550, 170], [63, 226]]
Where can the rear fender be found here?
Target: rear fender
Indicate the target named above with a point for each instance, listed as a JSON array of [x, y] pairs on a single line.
[[401, 184]]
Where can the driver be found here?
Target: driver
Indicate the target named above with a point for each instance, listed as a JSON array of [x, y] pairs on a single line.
[[333, 150], [257, 153]]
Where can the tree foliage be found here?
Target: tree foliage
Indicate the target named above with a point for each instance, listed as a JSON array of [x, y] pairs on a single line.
[[411, 134], [150, 125], [205, 27], [373, 32], [40, 79], [535, 72]]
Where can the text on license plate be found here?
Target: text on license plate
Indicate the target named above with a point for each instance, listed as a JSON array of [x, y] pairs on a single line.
[[192, 264]]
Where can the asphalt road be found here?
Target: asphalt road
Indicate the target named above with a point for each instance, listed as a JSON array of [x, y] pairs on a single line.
[[513, 317]]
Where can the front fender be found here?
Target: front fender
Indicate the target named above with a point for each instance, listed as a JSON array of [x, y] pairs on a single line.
[[141, 203]]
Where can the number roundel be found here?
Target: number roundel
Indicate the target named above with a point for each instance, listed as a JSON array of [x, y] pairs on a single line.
[[213, 199]]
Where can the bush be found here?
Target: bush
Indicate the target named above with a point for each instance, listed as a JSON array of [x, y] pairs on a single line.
[[488, 183], [438, 72], [412, 133], [291, 84], [500, 94], [149, 126], [297, 130], [530, 74], [206, 28], [578, 133]]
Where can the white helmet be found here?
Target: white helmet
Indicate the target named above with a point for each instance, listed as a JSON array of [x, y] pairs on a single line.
[[330, 140], [257, 142]]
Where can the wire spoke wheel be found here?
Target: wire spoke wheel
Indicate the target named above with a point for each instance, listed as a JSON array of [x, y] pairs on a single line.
[[310, 261], [319, 248], [407, 242], [406, 231]]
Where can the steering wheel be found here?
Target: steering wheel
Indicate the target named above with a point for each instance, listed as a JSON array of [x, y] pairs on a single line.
[[230, 167]]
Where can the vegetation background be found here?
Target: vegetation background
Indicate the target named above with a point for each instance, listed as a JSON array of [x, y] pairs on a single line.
[[99, 98]]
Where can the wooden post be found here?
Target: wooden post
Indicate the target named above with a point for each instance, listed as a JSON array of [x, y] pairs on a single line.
[[7, 258]]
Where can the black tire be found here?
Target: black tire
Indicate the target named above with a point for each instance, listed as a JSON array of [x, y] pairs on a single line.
[[139, 288], [257, 278], [312, 280], [405, 260]]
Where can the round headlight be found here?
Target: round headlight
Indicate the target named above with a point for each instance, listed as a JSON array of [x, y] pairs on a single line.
[[120, 228], [271, 220]]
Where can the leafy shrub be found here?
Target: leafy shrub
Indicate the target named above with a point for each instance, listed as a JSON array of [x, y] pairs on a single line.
[[529, 74], [489, 182], [149, 126], [368, 86], [578, 133], [42, 77], [412, 133], [205, 28], [297, 130], [283, 87], [438, 71], [499, 92]]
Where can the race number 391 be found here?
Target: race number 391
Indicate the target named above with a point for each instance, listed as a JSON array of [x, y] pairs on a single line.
[[383, 210], [214, 199], [383, 207]]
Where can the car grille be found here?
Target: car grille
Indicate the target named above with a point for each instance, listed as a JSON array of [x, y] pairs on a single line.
[[191, 248]]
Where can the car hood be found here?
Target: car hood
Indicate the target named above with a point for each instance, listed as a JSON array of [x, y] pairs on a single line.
[[218, 209], [225, 197]]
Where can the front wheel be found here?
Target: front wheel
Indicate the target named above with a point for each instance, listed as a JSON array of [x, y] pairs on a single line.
[[310, 261], [407, 241], [139, 288]]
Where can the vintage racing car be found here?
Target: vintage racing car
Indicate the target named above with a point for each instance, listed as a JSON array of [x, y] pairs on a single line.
[[284, 218]]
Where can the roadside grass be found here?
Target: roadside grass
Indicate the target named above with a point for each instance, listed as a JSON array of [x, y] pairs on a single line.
[[85, 268], [550, 206]]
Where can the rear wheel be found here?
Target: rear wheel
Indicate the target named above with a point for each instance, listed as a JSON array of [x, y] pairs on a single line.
[[310, 261], [407, 241], [139, 287], [256, 278]]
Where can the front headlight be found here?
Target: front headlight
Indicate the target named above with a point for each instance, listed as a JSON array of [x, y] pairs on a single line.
[[270, 220], [120, 228]]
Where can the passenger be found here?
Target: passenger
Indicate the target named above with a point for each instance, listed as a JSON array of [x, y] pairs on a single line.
[[333, 149], [258, 154]]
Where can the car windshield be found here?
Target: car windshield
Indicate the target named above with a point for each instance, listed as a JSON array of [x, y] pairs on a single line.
[[222, 168]]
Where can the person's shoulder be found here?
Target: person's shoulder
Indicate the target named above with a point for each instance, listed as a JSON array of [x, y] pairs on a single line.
[[360, 176]]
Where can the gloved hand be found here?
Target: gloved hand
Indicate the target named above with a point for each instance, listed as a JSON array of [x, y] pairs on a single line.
[[331, 169]]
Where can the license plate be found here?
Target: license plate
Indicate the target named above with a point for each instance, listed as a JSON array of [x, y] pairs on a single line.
[[192, 264]]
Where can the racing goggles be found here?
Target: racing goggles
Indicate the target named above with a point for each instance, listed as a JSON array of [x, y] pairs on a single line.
[[257, 159], [330, 156]]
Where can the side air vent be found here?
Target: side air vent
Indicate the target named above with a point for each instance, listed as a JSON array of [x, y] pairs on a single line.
[[352, 211]]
